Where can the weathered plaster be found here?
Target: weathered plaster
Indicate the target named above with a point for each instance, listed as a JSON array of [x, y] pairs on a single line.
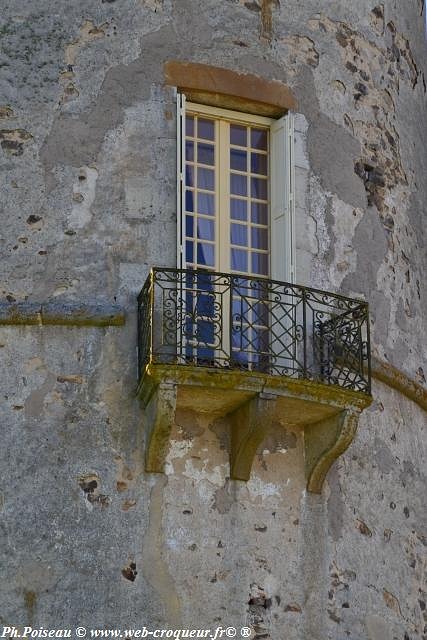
[[201, 549]]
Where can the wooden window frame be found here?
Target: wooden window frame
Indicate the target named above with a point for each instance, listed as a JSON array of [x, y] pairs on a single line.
[[281, 180]]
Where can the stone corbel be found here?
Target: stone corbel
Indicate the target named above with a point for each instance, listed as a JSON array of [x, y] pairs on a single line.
[[324, 442], [159, 416], [249, 426], [328, 416]]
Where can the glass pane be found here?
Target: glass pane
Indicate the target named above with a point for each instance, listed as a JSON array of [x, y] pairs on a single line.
[[260, 313], [205, 153], [259, 212], [259, 188], [239, 235], [206, 129], [239, 260], [241, 340], [259, 238], [189, 175], [206, 179], [238, 209], [259, 139], [240, 309], [205, 254], [189, 126], [189, 151], [205, 229], [189, 226], [206, 203], [205, 332], [204, 282], [238, 135], [260, 263], [189, 201], [238, 160], [189, 251], [189, 281], [264, 340], [238, 185], [259, 163], [242, 286], [205, 304]]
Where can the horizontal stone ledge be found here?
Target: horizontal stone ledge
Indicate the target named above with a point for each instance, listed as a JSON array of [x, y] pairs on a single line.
[[396, 379], [61, 313]]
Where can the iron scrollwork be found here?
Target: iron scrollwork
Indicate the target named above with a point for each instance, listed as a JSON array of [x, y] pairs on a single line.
[[210, 319]]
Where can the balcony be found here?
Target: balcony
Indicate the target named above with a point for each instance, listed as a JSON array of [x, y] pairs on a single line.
[[253, 350]]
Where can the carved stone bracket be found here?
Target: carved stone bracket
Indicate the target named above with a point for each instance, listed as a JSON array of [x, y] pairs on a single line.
[[251, 403], [249, 426], [324, 442], [159, 418]]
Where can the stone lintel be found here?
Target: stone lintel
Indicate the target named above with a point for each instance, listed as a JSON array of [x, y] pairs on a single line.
[[229, 89]]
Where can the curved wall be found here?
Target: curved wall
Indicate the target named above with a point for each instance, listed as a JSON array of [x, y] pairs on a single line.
[[87, 136]]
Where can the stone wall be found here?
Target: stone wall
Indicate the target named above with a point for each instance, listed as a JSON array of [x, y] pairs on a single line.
[[87, 137]]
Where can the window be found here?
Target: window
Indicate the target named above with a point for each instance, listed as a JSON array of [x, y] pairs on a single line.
[[235, 217], [235, 208]]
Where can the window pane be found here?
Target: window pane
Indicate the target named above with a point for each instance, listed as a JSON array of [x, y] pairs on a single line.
[[205, 254], [259, 213], [238, 135], [204, 282], [238, 185], [205, 305], [259, 188], [238, 160], [189, 151], [259, 163], [206, 179], [260, 263], [189, 226], [241, 340], [259, 341], [260, 314], [239, 260], [189, 251], [259, 238], [205, 129], [205, 153], [205, 332], [206, 203], [239, 235], [189, 126], [189, 175], [205, 229], [259, 139], [238, 209], [189, 201], [240, 309]]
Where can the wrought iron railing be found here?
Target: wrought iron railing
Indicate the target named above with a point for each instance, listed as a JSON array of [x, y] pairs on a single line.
[[202, 318]]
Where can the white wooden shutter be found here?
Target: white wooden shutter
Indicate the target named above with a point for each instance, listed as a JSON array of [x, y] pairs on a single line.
[[180, 185], [282, 200]]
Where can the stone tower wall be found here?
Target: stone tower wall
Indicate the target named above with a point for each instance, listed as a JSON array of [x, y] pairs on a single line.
[[88, 165]]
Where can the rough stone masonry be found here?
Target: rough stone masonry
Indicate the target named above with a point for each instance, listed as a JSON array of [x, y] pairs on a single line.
[[88, 197]]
